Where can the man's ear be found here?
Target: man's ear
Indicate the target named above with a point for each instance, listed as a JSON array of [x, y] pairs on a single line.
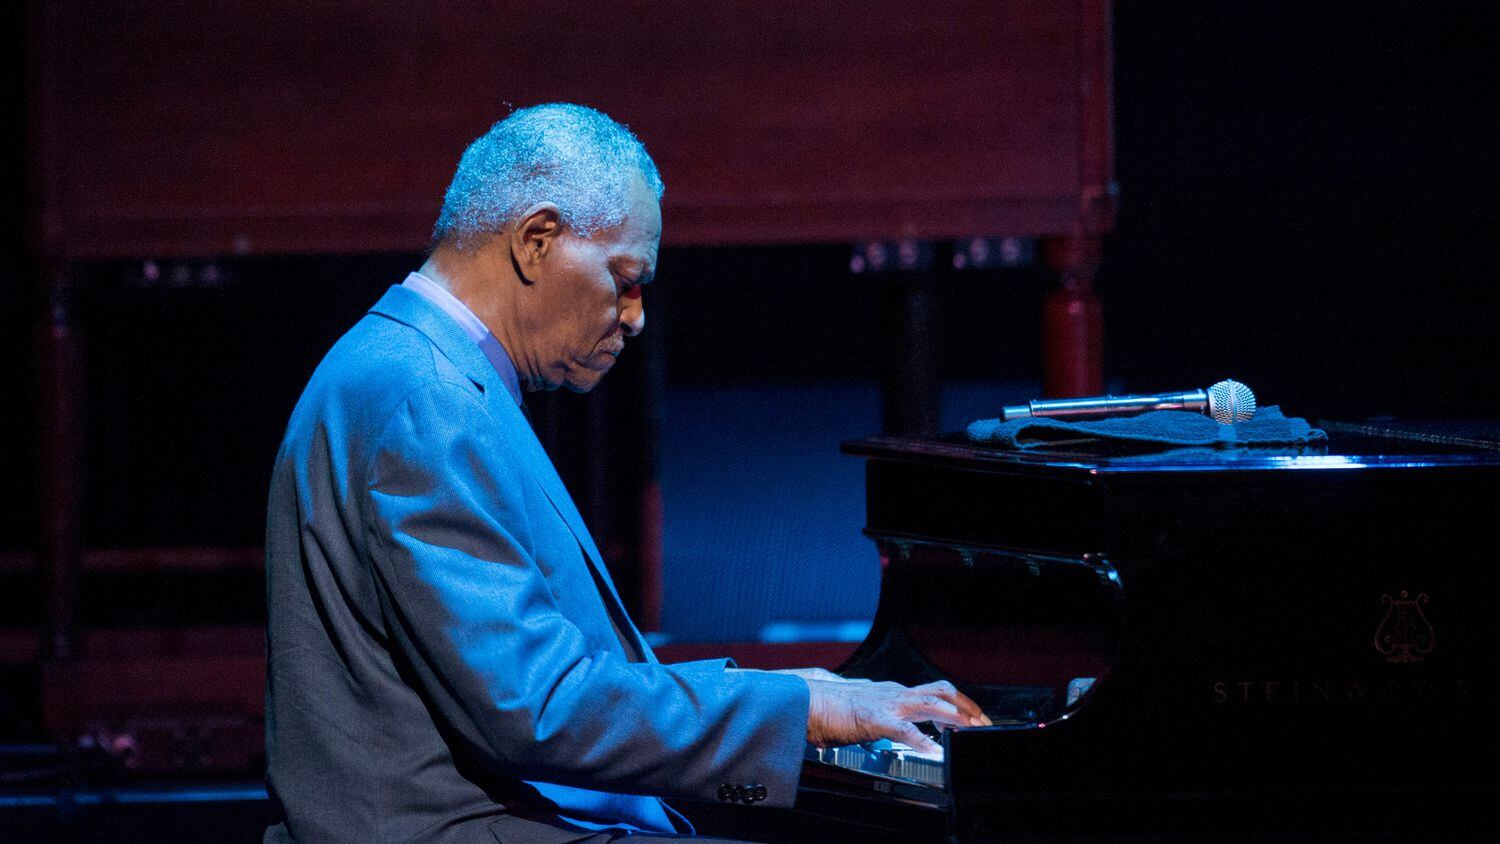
[[534, 234]]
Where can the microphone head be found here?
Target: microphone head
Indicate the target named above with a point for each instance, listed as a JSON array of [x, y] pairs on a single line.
[[1230, 402]]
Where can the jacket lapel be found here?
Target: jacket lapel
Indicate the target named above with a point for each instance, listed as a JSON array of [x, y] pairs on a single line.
[[411, 308], [523, 438]]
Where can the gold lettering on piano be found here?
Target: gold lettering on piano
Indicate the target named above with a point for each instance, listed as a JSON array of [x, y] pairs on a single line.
[[1335, 691]]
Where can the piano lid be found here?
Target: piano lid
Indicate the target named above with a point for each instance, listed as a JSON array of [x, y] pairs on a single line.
[[1349, 446]]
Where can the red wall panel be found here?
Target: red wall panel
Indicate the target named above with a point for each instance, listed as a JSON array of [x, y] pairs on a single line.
[[227, 126]]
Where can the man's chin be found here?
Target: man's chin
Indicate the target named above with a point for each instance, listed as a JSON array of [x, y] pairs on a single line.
[[585, 375], [582, 382]]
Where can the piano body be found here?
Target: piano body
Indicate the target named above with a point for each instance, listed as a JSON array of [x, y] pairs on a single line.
[[1257, 643]]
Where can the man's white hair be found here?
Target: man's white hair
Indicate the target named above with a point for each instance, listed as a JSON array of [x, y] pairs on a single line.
[[572, 155]]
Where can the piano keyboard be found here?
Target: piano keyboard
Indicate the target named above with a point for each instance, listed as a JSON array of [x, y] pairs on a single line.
[[886, 758]]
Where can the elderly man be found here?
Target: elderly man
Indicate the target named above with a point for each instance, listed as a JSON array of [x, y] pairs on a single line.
[[448, 659]]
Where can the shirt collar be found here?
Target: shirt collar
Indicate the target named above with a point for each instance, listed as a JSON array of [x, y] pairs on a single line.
[[472, 326]]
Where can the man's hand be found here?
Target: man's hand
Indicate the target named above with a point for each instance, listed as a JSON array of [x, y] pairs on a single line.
[[842, 712]]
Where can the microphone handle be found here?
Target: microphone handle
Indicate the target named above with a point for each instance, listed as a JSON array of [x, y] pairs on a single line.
[[1194, 400]]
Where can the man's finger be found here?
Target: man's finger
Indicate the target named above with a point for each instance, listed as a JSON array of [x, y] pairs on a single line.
[[947, 691], [973, 716], [930, 707], [908, 734]]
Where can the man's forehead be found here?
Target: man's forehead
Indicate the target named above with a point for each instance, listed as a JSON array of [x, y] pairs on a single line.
[[645, 218], [638, 236], [635, 239], [644, 209]]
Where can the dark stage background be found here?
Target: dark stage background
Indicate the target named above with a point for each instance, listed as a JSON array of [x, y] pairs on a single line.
[[1307, 204]]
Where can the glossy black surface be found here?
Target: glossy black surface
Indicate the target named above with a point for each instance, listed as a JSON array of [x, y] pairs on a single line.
[[1342, 451], [1281, 643]]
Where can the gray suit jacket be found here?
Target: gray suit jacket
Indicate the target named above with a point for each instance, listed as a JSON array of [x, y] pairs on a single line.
[[447, 655]]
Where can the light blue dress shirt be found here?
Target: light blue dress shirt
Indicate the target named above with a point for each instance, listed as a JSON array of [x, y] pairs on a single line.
[[472, 326]]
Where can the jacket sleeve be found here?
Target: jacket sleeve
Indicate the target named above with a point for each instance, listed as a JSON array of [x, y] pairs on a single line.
[[471, 611]]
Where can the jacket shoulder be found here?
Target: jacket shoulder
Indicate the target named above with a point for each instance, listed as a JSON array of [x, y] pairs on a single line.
[[381, 355], [369, 373]]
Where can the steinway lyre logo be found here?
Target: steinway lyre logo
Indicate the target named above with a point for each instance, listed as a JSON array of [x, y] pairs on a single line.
[[1405, 635]]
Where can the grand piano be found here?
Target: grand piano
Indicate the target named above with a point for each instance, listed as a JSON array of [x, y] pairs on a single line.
[[1255, 643]]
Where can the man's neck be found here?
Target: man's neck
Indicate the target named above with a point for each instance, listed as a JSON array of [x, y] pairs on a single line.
[[483, 280]]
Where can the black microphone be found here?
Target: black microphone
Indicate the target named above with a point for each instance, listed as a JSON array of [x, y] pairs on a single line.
[[1227, 402]]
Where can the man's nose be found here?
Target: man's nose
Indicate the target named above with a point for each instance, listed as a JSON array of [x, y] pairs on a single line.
[[632, 313]]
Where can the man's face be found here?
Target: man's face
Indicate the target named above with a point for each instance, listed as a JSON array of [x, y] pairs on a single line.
[[587, 296]]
